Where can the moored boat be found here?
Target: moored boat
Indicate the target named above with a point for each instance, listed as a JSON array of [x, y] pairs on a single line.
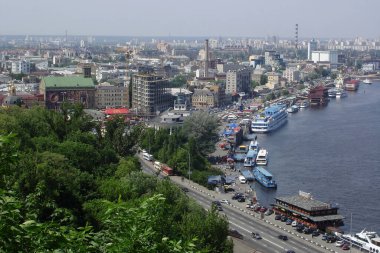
[[262, 157], [366, 240], [264, 177], [292, 109], [270, 119], [352, 85], [340, 93], [367, 81]]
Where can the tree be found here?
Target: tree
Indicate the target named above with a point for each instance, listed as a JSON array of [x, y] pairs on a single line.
[[263, 79], [203, 128]]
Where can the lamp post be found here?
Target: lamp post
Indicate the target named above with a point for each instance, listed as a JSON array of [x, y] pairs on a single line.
[[189, 165]]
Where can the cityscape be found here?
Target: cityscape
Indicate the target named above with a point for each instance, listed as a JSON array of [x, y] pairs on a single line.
[[161, 140]]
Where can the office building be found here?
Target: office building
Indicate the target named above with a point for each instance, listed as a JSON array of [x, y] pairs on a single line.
[[110, 96], [311, 46], [238, 81], [325, 56], [150, 94]]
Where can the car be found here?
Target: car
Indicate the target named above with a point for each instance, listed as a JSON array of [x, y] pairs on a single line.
[[283, 218], [289, 222], [235, 233], [258, 236], [324, 237], [277, 217], [315, 233], [263, 209], [225, 201], [184, 189], [290, 251], [242, 199], [307, 230], [346, 246], [339, 243], [217, 203], [237, 195], [294, 224], [283, 237], [268, 212]]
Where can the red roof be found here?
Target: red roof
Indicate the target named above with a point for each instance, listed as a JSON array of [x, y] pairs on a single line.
[[113, 111]]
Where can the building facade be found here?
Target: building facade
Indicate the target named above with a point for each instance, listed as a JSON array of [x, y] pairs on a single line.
[[71, 89], [308, 211], [325, 56], [311, 46], [110, 96], [150, 93], [238, 81], [21, 67], [203, 99], [292, 75]]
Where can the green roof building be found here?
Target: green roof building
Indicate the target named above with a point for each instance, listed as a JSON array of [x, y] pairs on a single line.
[[72, 89]]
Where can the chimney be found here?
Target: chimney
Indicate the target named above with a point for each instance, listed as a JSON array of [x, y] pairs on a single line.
[[207, 59]]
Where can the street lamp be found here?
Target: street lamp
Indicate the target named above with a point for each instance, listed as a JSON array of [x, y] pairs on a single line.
[[189, 165]]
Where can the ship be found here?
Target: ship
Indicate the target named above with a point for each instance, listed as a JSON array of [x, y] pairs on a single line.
[[250, 159], [264, 177], [352, 85], [318, 96], [366, 240], [270, 119], [367, 81]]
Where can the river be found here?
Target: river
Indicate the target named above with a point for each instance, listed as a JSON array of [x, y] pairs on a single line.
[[333, 152]]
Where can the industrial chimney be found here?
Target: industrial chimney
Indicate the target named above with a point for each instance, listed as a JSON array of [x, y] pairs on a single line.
[[207, 59]]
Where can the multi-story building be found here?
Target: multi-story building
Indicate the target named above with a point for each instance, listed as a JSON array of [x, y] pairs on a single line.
[[110, 96], [311, 46], [203, 99], [273, 59], [21, 67], [238, 81], [292, 74], [273, 80], [71, 89], [325, 56], [150, 93], [308, 211]]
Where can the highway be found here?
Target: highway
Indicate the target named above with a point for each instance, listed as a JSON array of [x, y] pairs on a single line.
[[245, 223]]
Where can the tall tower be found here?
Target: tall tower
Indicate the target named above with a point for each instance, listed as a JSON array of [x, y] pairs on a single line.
[[207, 59], [296, 37]]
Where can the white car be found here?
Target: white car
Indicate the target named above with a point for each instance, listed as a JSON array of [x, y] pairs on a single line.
[[339, 243], [225, 201], [294, 224]]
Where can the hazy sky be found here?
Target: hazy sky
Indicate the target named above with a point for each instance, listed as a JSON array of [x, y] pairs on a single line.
[[250, 18]]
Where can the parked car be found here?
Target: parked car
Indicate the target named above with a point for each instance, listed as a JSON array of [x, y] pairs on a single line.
[[294, 224], [235, 233], [268, 212], [339, 243], [242, 199], [277, 217], [184, 189], [283, 237], [290, 251], [237, 195], [289, 222], [346, 246], [315, 233], [283, 218], [307, 231]]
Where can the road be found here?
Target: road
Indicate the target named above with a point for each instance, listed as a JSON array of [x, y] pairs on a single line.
[[246, 222]]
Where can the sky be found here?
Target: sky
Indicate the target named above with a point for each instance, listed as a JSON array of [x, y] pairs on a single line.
[[213, 18]]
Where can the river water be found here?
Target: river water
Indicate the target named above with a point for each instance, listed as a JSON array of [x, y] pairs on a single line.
[[332, 152]]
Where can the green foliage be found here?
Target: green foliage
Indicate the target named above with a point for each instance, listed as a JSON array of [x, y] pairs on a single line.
[[263, 79], [178, 81], [202, 127], [64, 187]]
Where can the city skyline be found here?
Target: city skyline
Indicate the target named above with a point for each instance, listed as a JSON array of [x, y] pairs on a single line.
[[328, 19]]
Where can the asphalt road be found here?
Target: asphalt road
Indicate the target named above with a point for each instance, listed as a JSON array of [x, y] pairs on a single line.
[[245, 223]]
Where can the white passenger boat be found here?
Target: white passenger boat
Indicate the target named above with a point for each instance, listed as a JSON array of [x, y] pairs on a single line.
[[262, 157], [367, 81], [270, 119], [366, 240]]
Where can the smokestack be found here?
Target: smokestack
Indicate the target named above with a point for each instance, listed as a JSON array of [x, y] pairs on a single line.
[[207, 59]]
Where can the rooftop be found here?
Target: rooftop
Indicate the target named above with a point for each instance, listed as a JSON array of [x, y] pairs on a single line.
[[305, 203], [68, 82]]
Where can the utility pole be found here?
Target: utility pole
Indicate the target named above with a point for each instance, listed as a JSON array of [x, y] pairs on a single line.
[[189, 165]]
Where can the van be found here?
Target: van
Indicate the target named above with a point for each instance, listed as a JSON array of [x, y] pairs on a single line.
[[147, 157], [242, 179]]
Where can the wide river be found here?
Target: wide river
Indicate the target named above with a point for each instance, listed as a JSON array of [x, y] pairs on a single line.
[[332, 152]]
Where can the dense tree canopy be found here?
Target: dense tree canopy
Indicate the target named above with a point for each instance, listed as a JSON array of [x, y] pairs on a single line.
[[69, 184]]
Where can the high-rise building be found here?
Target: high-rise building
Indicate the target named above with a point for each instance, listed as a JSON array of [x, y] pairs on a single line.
[[311, 46], [238, 81], [150, 93]]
